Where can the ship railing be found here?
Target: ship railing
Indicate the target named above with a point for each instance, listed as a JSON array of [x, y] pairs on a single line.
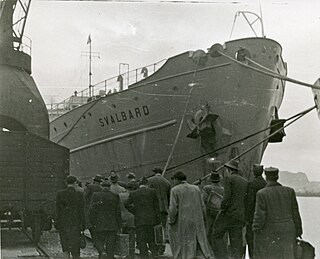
[[103, 88], [26, 45]]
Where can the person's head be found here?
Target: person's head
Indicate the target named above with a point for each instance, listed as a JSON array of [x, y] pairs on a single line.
[[272, 174], [105, 185], [232, 166], [257, 170], [178, 177], [132, 185], [144, 181], [113, 177], [71, 180], [157, 170], [215, 177], [97, 179], [131, 176]]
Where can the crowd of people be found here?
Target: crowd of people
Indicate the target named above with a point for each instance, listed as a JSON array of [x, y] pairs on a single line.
[[217, 220]]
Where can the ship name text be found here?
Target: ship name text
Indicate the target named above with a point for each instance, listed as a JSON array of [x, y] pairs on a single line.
[[124, 116]]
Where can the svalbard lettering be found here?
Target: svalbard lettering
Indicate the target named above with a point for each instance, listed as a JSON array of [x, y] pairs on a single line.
[[124, 115]]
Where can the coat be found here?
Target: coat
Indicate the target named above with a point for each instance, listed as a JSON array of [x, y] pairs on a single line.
[[104, 211], [127, 217], [276, 222], [253, 187], [163, 187], [186, 219], [143, 204], [234, 198], [70, 208], [89, 190]]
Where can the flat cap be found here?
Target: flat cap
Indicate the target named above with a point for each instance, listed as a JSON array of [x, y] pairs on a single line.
[[131, 175], [179, 176], [257, 169], [215, 177], [98, 178], [271, 171], [157, 170], [105, 184]]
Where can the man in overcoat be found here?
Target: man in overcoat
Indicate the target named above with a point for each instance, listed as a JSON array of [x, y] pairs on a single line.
[[70, 220], [276, 222], [143, 204], [231, 218], [162, 187], [105, 218], [187, 231], [253, 187]]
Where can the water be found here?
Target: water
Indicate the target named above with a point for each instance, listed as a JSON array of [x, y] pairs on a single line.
[[310, 213]]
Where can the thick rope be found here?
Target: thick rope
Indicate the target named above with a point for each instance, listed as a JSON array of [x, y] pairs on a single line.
[[256, 145], [268, 72], [236, 141]]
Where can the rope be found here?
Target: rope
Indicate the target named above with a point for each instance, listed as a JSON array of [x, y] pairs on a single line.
[[183, 117], [268, 72], [256, 145], [234, 142]]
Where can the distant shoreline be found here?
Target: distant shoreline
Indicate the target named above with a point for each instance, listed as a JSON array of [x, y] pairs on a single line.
[[308, 194]]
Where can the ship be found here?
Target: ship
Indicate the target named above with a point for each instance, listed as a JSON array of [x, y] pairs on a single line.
[[190, 112]]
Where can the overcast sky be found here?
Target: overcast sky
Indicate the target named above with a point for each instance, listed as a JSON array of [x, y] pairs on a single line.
[[143, 33]]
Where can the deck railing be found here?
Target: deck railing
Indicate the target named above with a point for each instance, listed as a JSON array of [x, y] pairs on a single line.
[[102, 88]]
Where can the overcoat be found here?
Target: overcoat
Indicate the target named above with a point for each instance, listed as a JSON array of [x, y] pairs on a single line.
[[162, 186], [104, 211], [276, 222], [186, 219], [143, 204], [70, 208]]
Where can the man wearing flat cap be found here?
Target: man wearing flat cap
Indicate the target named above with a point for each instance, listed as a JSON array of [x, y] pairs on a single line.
[[253, 187], [276, 222], [162, 187], [231, 218], [187, 230], [70, 220], [105, 218]]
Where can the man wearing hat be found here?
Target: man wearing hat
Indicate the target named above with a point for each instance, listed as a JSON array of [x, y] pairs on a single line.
[[143, 204], [162, 187], [187, 230], [277, 221], [70, 220], [231, 218], [253, 187], [212, 196], [115, 187], [105, 218]]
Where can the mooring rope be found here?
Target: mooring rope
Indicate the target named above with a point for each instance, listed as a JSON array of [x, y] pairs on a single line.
[[257, 144]]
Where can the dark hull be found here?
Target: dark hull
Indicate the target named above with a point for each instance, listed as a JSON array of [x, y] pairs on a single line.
[[134, 130]]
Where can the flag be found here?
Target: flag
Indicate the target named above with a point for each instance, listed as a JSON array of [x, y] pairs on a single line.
[[89, 39]]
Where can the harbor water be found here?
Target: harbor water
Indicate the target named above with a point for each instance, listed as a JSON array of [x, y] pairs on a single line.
[[310, 213]]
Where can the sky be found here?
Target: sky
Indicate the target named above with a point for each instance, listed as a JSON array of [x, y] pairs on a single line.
[[142, 33]]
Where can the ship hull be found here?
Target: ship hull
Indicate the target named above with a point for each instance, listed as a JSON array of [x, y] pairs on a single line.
[[216, 101]]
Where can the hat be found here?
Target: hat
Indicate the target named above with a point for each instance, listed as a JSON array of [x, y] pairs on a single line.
[[271, 171], [71, 179], [105, 184], [132, 185], [114, 177], [98, 178], [179, 176], [215, 177], [157, 170], [257, 169], [131, 175], [233, 164], [143, 181]]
